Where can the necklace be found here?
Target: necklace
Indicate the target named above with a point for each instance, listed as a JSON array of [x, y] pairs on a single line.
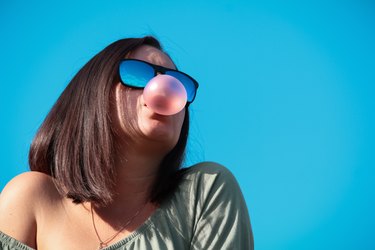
[[104, 243]]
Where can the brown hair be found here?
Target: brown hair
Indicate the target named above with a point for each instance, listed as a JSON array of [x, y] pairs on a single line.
[[75, 143]]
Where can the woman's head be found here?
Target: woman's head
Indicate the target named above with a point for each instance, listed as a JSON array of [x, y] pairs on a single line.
[[131, 117], [77, 141]]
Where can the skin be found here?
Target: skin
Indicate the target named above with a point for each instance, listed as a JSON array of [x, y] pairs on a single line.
[[33, 212]]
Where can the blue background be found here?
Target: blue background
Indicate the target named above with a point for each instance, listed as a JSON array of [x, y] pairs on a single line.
[[286, 98]]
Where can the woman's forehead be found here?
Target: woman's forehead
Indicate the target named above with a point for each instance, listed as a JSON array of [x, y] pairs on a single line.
[[152, 55]]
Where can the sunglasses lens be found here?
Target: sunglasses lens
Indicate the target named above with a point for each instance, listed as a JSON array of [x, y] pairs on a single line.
[[135, 73], [186, 81]]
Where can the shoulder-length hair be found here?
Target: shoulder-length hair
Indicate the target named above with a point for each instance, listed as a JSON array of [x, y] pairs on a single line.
[[75, 143]]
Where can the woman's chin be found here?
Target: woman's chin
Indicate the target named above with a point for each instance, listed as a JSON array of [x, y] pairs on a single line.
[[160, 134], [159, 130]]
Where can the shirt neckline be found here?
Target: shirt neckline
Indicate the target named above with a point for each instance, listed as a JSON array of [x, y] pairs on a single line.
[[143, 227]]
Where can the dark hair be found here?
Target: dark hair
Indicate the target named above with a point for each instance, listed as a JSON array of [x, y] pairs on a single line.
[[75, 143]]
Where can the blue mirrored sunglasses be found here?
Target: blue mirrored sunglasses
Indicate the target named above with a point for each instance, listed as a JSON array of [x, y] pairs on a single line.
[[136, 74]]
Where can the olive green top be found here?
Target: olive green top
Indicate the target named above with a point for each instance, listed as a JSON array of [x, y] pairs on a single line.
[[207, 211]]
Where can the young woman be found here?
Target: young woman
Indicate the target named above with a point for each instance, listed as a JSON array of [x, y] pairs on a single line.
[[106, 168]]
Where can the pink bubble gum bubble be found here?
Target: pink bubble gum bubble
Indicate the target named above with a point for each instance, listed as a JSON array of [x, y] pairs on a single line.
[[165, 95]]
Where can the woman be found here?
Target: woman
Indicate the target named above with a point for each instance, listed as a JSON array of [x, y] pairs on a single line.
[[106, 169]]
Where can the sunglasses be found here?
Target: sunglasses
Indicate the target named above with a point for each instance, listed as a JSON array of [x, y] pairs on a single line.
[[136, 74]]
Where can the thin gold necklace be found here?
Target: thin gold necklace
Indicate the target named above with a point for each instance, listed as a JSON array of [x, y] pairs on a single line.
[[104, 243]]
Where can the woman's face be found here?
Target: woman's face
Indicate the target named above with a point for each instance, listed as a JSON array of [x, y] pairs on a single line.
[[130, 108]]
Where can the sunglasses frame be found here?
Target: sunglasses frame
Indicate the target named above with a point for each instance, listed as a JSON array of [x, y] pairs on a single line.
[[158, 69]]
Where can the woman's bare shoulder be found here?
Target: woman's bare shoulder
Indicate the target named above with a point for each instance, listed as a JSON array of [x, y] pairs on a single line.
[[28, 187], [21, 200]]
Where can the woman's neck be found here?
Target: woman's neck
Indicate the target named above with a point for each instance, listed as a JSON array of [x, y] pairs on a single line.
[[136, 172]]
